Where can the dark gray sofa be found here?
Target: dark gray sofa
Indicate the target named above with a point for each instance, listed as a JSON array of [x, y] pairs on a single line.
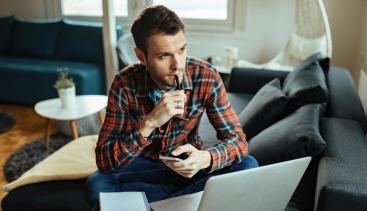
[[336, 179]]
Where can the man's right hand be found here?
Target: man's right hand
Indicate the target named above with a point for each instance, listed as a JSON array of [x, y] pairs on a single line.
[[170, 104]]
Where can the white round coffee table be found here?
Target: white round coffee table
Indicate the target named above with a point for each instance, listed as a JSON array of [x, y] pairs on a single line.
[[85, 106]]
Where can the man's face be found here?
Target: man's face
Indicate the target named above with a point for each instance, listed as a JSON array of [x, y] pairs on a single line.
[[166, 57]]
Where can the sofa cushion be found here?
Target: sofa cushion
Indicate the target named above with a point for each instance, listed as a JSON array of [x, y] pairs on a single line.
[[250, 80], [342, 172], [306, 84], [295, 136], [6, 26], [80, 42], [265, 108], [206, 130], [34, 38], [30, 72]]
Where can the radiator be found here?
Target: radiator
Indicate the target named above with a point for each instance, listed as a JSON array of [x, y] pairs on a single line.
[[362, 89]]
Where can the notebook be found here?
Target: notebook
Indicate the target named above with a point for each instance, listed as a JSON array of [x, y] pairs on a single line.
[[118, 201]]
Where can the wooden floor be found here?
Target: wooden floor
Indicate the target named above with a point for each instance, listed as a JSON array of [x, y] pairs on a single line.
[[29, 126]]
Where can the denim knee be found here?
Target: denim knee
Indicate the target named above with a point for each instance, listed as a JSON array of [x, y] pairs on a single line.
[[97, 183], [247, 162]]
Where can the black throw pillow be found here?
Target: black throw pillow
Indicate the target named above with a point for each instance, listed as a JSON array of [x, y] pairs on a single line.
[[295, 136], [306, 84], [266, 107]]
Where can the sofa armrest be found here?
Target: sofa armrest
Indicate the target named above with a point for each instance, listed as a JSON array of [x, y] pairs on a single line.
[[342, 173], [250, 80], [343, 100]]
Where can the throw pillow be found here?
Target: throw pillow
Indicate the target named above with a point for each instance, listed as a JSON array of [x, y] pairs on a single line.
[[6, 26], [323, 61], [266, 107], [306, 84], [295, 136], [34, 38], [80, 42]]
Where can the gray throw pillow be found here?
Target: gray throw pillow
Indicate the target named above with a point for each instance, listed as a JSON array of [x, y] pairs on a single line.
[[306, 84], [295, 136], [266, 107]]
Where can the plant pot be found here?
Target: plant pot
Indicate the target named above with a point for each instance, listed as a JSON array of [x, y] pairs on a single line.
[[67, 97]]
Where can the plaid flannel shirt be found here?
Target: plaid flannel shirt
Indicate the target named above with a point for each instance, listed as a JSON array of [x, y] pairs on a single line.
[[130, 100]]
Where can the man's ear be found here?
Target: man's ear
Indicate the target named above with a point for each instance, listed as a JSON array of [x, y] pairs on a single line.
[[140, 55]]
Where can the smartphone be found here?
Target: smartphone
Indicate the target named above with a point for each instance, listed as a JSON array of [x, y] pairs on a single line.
[[161, 157], [180, 157]]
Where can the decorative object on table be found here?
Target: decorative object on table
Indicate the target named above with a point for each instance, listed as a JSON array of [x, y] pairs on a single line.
[[7, 121], [310, 34], [230, 57], [30, 154], [66, 89]]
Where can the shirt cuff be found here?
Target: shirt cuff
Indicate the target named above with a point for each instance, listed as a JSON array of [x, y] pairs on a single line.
[[142, 140], [216, 160]]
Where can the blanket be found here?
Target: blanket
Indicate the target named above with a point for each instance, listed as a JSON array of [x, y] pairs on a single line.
[[75, 160]]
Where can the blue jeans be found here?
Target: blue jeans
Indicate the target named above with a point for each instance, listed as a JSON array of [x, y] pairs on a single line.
[[154, 178]]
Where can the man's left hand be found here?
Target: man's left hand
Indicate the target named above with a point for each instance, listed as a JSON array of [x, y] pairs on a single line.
[[196, 160]]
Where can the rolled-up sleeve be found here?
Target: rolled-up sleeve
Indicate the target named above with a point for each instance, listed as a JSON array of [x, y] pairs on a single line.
[[119, 141], [233, 146]]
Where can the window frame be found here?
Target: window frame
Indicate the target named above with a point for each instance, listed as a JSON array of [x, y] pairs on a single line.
[[193, 25]]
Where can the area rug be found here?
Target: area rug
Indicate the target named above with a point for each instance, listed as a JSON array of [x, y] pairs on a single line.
[[30, 154], [7, 121]]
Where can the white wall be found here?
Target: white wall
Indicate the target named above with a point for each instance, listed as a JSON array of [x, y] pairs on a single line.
[[346, 23], [29, 9], [266, 29], [262, 38], [33, 9]]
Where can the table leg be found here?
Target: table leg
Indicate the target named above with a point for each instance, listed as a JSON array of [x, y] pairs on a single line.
[[47, 132], [74, 130], [101, 116]]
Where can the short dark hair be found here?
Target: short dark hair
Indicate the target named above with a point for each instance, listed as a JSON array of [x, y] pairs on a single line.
[[155, 20]]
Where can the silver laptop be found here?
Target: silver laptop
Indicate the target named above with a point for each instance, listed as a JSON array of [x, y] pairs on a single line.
[[264, 188]]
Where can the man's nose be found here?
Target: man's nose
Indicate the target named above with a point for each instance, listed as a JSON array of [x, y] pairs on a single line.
[[176, 62]]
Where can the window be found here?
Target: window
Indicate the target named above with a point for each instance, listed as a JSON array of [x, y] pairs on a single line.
[[92, 8], [203, 15], [198, 15], [194, 9]]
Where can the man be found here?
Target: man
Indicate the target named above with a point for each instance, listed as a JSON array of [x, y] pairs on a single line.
[[149, 115]]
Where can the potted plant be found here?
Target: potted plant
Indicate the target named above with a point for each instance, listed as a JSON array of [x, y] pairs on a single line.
[[66, 89]]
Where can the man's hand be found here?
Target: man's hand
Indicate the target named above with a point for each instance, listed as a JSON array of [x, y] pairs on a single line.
[[170, 104], [197, 160]]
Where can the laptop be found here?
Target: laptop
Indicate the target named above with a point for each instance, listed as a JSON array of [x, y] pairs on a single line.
[[264, 188]]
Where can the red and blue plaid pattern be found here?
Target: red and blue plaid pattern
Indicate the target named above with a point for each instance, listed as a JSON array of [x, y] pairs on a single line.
[[130, 100]]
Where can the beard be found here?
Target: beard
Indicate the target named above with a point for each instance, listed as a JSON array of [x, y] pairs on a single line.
[[161, 84]]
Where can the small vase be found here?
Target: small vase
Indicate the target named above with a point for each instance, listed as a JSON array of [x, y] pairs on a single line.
[[67, 97]]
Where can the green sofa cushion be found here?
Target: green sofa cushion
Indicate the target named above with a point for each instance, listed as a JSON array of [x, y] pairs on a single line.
[[80, 42], [34, 38], [29, 80], [6, 26]]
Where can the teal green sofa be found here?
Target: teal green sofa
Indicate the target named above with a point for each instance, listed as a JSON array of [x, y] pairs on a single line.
[[33, 52]]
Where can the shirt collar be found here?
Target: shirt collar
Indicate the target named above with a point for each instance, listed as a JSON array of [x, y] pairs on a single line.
[[147, 89]]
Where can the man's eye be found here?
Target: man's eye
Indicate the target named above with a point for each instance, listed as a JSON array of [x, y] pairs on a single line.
[[162, 57]]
